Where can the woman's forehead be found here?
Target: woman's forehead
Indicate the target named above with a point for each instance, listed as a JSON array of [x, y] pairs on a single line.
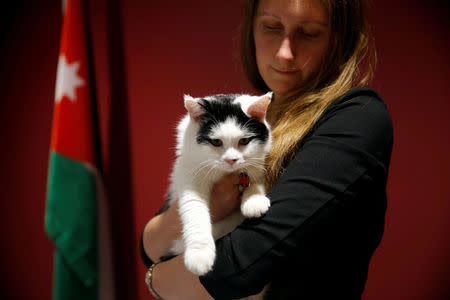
[[299, 11]]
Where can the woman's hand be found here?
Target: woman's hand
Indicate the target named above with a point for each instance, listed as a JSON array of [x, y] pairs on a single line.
[[225, 197]]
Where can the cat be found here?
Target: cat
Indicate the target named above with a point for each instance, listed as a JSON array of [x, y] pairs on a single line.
[[220, 134]]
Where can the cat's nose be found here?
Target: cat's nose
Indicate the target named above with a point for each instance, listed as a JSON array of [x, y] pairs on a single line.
[[231, 161]]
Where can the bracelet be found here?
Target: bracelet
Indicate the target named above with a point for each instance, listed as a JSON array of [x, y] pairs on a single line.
[[148, 281]]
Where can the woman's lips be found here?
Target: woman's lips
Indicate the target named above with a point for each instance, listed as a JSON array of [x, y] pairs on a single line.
[[284, 72]]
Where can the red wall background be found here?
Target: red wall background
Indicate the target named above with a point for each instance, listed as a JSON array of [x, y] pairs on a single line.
[[147, 54]]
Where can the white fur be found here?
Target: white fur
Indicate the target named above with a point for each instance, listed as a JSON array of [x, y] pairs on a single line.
[[197, 168]]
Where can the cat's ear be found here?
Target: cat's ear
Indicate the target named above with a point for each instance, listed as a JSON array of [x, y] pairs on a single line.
[[258, 108], [193, 107]]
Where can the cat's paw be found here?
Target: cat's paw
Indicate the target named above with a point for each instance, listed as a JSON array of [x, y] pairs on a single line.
[[200, 260], [255, 206]]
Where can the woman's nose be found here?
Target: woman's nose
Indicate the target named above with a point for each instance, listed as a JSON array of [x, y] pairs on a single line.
[[285, 52]]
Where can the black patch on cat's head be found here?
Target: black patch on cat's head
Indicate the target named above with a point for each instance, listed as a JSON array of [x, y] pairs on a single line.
[[219, 109]]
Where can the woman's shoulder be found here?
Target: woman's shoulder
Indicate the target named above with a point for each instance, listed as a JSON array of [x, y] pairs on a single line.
[[360, 119], [359, 104], [359, 96]]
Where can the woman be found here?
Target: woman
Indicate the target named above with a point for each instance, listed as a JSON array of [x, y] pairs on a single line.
[[327, 169]]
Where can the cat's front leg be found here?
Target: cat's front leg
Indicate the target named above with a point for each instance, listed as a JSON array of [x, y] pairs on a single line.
[[200, 251], [254, 202]]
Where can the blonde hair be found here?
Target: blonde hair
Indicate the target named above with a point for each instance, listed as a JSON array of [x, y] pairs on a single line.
[[350, 62]]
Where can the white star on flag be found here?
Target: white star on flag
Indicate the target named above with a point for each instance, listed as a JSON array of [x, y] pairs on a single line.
[[67, 79]]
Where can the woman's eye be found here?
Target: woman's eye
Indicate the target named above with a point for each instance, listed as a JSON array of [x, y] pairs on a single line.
[[310, 35], [268, 27], [271, 27], [244, 141], [216, 142]]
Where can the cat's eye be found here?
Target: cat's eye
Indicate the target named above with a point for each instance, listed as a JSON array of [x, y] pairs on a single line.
[[216, 142], [244, 141]]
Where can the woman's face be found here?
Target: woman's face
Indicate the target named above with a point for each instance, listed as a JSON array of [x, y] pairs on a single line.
[[291, 39]]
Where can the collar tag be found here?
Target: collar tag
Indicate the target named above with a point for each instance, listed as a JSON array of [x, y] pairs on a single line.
[[244, 181]]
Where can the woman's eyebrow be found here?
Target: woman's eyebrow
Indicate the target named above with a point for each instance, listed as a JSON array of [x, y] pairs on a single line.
[[266, 14], [302, 22]]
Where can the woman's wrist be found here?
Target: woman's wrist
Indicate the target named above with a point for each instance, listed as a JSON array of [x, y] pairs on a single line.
[[171, 280], [160, 232], [149, 282]]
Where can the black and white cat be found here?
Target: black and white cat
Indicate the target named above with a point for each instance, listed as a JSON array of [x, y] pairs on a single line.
[[220, 134]]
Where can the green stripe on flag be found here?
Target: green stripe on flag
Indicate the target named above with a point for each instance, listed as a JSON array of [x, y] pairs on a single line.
[[66, 285], [71, 222]]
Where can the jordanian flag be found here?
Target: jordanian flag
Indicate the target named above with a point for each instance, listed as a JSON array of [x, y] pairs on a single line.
[[71, 214]]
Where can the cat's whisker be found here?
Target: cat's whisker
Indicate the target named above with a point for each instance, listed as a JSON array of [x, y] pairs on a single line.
[[256, 165], [213, 170], [260, 161], [201, 167]]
